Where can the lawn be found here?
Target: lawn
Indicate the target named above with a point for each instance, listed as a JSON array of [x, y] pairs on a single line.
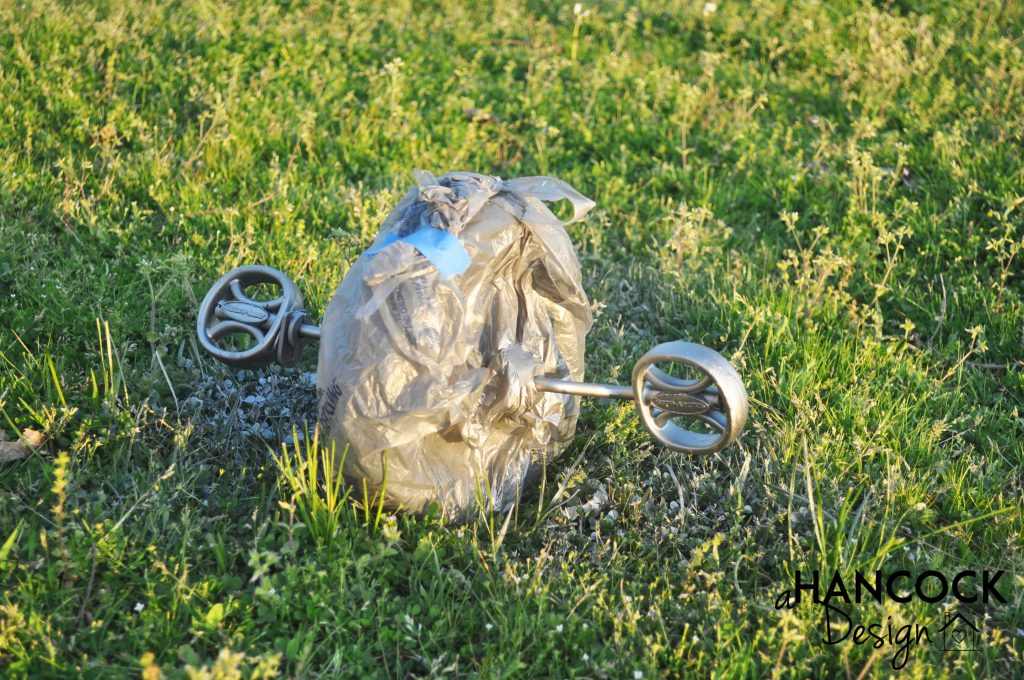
[[830, 194]]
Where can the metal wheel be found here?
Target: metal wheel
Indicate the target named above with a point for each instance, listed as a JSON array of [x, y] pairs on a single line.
[[716, 398], [274, 325]]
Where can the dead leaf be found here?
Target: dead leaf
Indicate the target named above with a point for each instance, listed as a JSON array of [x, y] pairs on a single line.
[[33, 438], [479, 116]]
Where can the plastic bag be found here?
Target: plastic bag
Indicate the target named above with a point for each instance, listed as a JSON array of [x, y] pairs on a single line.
[[431, 343]]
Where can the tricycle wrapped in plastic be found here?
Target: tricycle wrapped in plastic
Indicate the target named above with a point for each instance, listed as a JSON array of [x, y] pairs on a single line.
[[451, 354]]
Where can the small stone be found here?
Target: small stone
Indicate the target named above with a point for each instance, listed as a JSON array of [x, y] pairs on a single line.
[[10, 451]]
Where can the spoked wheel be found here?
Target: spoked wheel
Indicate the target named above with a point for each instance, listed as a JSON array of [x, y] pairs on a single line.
[[701, 414], [270, 330]]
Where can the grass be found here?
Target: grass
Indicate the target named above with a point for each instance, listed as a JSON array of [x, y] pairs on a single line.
[[828, 193]]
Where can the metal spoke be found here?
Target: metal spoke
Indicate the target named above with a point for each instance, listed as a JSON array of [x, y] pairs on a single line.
[[228, 327], [667, 383]]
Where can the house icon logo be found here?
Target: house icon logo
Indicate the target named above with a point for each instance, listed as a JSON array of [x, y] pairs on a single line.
[[959, 634]]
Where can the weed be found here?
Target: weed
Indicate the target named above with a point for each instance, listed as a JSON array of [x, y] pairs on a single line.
[[311, 481]]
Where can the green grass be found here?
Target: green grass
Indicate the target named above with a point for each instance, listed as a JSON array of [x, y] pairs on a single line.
[[828, 193]]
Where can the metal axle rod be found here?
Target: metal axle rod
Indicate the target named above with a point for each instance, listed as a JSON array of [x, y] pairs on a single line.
[[281, 328], [596, 390]]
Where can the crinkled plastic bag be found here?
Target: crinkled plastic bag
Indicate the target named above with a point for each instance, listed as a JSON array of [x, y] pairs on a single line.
[[431, 343]]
